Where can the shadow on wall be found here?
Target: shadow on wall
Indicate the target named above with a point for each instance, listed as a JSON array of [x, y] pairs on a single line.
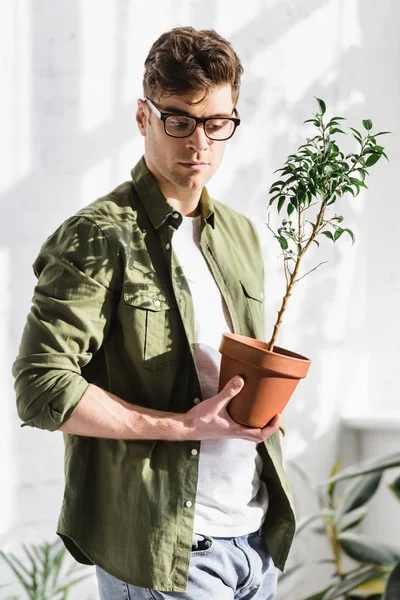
[[62, 153]]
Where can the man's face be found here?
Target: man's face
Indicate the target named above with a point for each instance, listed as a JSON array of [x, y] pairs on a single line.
[[184, 165]]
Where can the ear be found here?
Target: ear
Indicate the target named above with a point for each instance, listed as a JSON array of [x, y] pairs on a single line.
[[141, 117]]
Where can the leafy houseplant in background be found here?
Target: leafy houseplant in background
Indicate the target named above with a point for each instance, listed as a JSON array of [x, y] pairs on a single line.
[[375, 569], [44, 573], [312, 182]]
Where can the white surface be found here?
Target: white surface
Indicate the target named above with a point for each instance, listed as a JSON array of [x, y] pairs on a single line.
[[378, 422]]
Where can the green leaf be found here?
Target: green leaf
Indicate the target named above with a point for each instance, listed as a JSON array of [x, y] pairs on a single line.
[[359, 493], [347, 188], [366, 549], [382, 133], [362, 173], [328, 234], [304, 522], [17, 567], [356, 133], [395, 487], [372, 159], [338, 233], [351, 581], [351, 234], [372, 589], [392, 591], [310, 482], [319, 595], [352, 518], [281, 202], [369, 466], [367, 124], [290, 209], [322, 105], [283, 242], [336, 130]]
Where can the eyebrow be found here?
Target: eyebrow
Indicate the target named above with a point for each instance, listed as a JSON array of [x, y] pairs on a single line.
[[179, 111]]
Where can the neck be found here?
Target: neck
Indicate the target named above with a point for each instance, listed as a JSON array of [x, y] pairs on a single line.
[[187, 208], [185, 201]]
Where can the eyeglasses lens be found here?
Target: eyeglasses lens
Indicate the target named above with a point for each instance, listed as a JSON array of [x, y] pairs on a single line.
[[216, 129]]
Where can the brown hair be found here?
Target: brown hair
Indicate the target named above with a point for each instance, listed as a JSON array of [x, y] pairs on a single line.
[[185, 60]]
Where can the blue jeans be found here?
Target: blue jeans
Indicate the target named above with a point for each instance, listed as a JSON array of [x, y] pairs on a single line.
[[238, 568]]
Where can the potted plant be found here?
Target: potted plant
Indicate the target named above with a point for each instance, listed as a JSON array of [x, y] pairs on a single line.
[[360, 566], [312, 182], [45, 571]]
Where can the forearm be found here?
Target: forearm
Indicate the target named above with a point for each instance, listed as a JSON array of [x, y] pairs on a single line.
[[101, 414]]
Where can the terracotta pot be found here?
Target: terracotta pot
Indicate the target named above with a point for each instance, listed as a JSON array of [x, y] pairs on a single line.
[[270, 377]]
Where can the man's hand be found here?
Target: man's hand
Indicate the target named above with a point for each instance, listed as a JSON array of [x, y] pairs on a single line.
[[210, 419]]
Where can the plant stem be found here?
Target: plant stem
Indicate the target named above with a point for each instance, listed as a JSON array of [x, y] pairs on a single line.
[[293, 276], [289, 287]]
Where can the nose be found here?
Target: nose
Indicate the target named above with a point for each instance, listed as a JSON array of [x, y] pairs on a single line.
[[198, 140]]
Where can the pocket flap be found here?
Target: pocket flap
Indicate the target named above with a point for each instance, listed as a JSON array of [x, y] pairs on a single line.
[[148, 297], [253, 288]]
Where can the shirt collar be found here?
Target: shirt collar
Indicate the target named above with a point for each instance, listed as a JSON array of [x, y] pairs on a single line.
[[156, 205]]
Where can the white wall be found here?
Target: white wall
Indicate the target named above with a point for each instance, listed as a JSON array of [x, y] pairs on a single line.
[[71, 73]]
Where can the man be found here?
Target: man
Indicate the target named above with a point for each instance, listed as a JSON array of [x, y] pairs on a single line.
[[164, 492]]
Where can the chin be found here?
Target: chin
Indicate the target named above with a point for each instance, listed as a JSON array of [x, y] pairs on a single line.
[[192, 183]]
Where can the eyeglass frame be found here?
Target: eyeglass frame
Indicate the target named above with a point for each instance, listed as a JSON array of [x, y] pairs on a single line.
[[163, 117]]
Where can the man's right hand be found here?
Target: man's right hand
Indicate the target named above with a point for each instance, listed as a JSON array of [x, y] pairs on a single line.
[[101, 414], [210, 419]]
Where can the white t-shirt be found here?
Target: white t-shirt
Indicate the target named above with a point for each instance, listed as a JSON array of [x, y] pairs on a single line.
[[231, 500]]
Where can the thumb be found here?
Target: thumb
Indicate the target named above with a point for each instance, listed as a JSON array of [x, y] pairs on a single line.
[[232, 388]]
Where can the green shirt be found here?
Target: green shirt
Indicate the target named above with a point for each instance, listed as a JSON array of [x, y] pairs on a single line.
[[112, 307]]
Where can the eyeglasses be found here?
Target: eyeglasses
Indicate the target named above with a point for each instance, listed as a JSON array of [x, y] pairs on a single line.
[[218, 129]]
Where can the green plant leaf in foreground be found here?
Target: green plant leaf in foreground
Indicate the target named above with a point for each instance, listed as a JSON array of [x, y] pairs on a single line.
[[322, 105], [395, 487], [352, 518], [369, 466], [318, 595], [367, 124], [392, 591], [351, 581], [367, 550], [374, 587], [44, 573], [360, 492], [295, 575]]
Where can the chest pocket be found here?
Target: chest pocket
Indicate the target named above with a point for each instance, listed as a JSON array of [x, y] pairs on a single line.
[[253, 289], [150, 316]]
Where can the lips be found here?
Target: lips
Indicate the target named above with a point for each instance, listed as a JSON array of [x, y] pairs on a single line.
[[194, 165]]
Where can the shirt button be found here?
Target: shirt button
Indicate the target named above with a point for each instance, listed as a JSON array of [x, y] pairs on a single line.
[[196, 400], [262, 296], [168, 246], [188, 503], [175, 215], [194, 451], [157, 302]]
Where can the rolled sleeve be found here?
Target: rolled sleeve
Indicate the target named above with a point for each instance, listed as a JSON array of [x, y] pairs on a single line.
[[70, 314]]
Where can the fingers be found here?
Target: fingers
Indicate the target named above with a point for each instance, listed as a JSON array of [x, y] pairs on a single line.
[[272, 426], [233, 387]]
